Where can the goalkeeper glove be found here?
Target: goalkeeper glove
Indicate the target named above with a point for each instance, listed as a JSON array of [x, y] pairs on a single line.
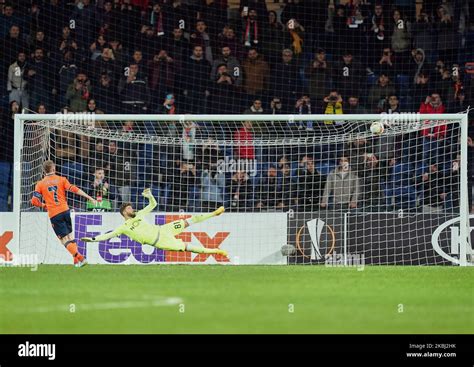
[[88, 239], [147, 193]]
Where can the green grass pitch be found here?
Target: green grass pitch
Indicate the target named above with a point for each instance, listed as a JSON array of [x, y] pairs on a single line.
[[236, 299]]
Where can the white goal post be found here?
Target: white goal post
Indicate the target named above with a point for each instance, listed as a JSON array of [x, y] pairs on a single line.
[[336, 187]]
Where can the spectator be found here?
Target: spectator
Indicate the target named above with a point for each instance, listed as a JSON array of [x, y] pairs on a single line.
[[159, 21], [67, 73], [420, 91], [448, 38], [231, 63], [287, 186], [16, 84], [243, 138], [212, 189], [386, 64], [201, 38], [40, 41], [118, 50], [342, 186], [319, 75], [228, 38], [459, 103], [169, 106], [348, 75], [147, 41], [259, 6], [339, 26], [178, 47], [310, 185], [129, 17], [393, 105], [451, 185], [333, 106], [133, 91], [224, 92], [41, 109], [97, 47], [92, 107], [256, 74], [255, 108], [434, 192], [295, 35], [273, 37], [79, 92], [13, 44], [8, 19], [188, 137], [84, 17], [285, 78], [107, 18], [268, 196], [371, 177], [401, 40], [52, 10], [424, 34], [102, 193], [162, 73], [378, 37], [105, 64], [183, 180], [39, 77], [105, 94], [66, 41], [122, 167], [178, 16], [303, 107], [214, 14], [379, 93], [418, 63], [355, 32], [137, 58], [195, 81], [400, 185], [353, 106], [240, 192], [276, 106], [251, 28], [433, 137]]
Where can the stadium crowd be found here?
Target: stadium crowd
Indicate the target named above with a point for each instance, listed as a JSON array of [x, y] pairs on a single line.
[[252, 57]]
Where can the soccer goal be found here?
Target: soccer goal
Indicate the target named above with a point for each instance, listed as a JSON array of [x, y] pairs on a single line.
[[298, 189]]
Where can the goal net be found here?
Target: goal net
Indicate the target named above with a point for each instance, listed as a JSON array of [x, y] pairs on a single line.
[[303, 189]]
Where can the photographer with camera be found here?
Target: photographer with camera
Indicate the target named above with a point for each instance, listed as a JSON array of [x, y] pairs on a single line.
[[333, 105], [79, 92], [101, 193], [303, 107]]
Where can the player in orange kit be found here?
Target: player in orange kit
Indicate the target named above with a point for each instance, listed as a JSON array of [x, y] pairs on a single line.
[[52, 190]]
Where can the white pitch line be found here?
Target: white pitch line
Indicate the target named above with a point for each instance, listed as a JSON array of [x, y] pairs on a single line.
[[156, 302]]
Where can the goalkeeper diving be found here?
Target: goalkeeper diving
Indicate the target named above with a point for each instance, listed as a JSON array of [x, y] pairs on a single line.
[[162, 237]]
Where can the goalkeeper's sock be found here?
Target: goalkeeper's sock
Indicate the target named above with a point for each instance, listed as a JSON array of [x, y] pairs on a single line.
[[201, 250]]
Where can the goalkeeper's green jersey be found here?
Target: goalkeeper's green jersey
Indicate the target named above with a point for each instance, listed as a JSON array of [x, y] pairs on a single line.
[[138, 229]]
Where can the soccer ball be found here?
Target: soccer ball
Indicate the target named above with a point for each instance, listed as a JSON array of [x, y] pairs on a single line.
[[288, 250], [377, 128]]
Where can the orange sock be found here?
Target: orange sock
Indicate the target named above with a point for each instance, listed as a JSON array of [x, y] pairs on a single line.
[[72, 248]]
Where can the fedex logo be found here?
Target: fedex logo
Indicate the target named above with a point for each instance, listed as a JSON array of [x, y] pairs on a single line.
[[5, 238], [110, 250]]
